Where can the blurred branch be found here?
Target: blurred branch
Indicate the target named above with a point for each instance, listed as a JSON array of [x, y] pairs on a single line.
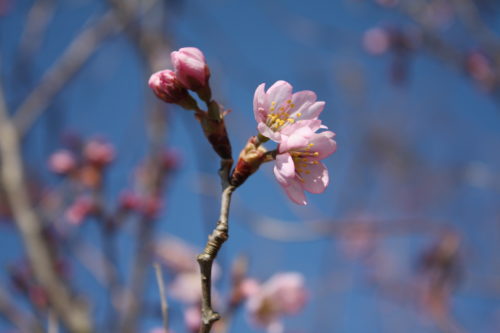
[[65, 68], [71, 311], [23, 321], [163, 298]]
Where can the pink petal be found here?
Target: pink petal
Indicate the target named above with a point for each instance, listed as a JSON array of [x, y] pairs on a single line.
[[295, 192], [279, 92], [299, 139], [324, 144], [312, 111], [302, 100], [193, 52], [259, 101], [269, 133], [317, 180], [313, 124], [284, 168]]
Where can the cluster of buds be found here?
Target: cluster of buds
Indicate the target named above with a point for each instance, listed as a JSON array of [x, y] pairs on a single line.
[[85, 164], [191, 73]]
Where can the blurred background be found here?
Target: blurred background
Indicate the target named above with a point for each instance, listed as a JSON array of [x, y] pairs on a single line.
[[405, 238]]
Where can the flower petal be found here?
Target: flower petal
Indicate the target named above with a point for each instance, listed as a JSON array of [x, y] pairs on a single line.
[[259, 103], [295, 192], [279, 92], [324, 144], [298, 139], [284, 168], [301, 101], [269, 133], [313, 110], [317, 179]]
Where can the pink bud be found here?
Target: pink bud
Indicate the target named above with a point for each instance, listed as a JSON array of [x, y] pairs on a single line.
[[129, 200], [79, 210], [62, 162], [190, 67], [99, 153], [166, 86]]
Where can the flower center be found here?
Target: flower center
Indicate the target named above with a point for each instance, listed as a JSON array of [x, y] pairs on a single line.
[[281, 116], [303, 159]]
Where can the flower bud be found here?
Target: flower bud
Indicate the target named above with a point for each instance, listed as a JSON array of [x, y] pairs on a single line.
[[192, 71], [99, 153], [167, 87], [62, 162], [250, 159]]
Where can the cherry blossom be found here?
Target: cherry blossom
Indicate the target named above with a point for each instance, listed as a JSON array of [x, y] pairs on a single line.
[[298, 167], [277, 108]]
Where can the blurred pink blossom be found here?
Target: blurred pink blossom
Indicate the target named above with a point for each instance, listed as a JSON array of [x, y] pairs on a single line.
[[298, 167], [190, 68], [81, 208], [62, 162], [480, 68], [177, 255], [282, 294], [277, 108], [376, 40], [99, 153], [192, 318]]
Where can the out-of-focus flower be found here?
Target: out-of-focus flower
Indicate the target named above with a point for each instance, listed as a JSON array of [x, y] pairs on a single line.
[[481, 69], [277, 108], [186, 288], [62, 162], [99, 153], [376, 40], [298, 167], [282, 294], [176, 255], [81, 208], [129, 200], [190, 68], [171, 159], [192, 318]]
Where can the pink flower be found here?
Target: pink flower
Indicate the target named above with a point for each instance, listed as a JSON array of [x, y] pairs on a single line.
[[192, 318], [298, 167], [190, 68], [62, 162], [282, 294], [80, 210], [376, 40], [277, 108], [99, 153], [166, 86]]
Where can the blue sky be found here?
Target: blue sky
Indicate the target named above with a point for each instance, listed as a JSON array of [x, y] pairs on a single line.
[[438, 123]]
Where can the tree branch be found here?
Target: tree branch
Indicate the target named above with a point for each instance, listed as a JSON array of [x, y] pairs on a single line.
[[71, 311], [205, 260]]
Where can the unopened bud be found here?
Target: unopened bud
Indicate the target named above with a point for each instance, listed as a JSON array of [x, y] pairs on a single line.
[[192, 70], [249, 161], [168, 88]]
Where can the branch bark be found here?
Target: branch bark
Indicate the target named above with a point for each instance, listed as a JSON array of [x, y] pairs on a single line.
[[205, 260]]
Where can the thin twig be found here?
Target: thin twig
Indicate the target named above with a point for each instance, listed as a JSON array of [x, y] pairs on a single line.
[[163, 298], [53, 324], [215, 240]]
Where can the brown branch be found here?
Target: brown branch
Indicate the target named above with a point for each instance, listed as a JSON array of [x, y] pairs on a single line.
[[72, 312], [215, 240], [72, 60]]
